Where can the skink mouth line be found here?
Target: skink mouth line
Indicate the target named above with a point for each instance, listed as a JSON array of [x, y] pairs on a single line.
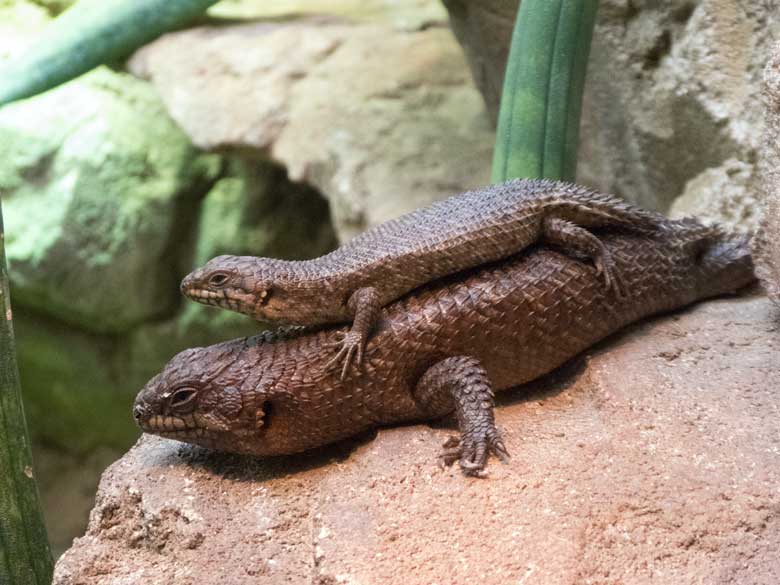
[[205, 294], [182, 435], [222, 299], [170, 426]]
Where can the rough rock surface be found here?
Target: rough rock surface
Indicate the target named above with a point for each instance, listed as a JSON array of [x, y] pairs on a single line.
[[726, 194], [380, 120], [110, 198], [767, 242], [670, 98], [654, 461]]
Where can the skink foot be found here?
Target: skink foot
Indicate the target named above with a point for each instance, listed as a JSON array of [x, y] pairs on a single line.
[[472, 451], [350, 350]]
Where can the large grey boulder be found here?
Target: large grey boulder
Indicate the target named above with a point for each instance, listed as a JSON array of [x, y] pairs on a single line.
[[653, 460], [381, 120]]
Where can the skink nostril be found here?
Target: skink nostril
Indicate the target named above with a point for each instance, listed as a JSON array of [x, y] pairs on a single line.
[[138, 412]]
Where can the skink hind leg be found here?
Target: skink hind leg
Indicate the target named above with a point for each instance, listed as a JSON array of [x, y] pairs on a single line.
[[364, 304], [570, 236], [461, 384]]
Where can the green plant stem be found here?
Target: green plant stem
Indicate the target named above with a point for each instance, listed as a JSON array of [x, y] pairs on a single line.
[[91, 33], [24, 548], [538, 124]]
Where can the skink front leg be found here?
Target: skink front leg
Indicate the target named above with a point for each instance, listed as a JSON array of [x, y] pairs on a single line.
[[364, 305], [461, 384]]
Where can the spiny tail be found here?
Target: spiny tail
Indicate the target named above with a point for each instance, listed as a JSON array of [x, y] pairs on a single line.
[[696, 227], [609, 209]]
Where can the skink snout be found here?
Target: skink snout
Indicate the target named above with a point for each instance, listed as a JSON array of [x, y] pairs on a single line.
[[186, 284]]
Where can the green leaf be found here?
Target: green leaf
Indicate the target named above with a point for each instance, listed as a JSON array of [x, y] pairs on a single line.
[[538, 125], [92, 33]]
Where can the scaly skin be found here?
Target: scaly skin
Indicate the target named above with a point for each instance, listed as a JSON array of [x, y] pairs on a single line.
[[355, 281], [442, 348]]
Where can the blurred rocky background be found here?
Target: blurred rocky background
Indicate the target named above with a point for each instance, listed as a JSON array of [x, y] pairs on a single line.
[[279, 128], [766, 244]]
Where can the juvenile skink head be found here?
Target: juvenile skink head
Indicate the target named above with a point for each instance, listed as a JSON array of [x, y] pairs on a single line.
[[249, 285]]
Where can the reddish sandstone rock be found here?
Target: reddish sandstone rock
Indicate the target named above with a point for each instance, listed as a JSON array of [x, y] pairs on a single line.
[[654, 459]]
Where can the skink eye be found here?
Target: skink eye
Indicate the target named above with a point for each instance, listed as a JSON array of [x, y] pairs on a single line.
[[183, 397], [218, 279]]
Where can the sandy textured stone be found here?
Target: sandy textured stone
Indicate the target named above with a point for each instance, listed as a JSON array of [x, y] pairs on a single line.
[[654, 460], [381, 121], [673, 92], [725, 194], [401, 14], [767, 249], [767, 243]]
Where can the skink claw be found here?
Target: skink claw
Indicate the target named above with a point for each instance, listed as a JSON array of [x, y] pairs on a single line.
[[472, 452], [605, 268], [350, 347]]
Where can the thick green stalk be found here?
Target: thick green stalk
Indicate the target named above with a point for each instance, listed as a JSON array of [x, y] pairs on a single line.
[[538, 124], [24, 548], [91, 33]]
